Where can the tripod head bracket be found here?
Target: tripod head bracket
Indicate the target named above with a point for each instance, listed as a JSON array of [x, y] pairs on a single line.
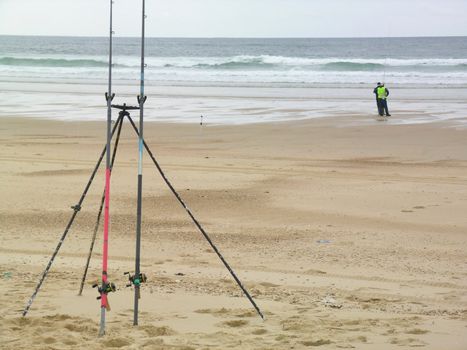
[[142, 100], [124, 107], [109, 97]]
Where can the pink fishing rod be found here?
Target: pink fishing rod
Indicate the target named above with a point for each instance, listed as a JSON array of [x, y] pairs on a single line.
[[106, 286]]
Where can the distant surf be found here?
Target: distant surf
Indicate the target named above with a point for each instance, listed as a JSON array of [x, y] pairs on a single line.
[[239, 62], [263, 62], [51, 62]]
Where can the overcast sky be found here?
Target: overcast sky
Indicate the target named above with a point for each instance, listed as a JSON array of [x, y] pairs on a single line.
[[237, 18]]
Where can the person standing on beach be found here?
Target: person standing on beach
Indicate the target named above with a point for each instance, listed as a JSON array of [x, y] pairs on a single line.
[[382, 94], [375, 91]]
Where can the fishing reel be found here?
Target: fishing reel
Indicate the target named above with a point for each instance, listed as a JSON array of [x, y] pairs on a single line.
[[135, 280], [105, 289]]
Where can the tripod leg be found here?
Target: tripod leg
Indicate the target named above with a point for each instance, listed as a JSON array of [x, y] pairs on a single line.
[[200, 228], [96, 227], [76, 208]]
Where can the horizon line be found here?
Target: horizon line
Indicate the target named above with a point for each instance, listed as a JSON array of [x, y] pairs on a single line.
[[233, 37]]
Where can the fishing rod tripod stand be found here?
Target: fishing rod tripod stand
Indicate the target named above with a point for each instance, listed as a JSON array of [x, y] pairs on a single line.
[[138, 278]]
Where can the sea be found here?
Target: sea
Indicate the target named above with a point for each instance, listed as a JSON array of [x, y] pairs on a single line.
[[263, 62], [77, 65]]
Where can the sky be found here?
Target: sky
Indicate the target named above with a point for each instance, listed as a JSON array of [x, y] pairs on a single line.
[[237, 18]]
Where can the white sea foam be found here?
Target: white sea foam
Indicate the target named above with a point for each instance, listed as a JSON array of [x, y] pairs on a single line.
[[241, 69]]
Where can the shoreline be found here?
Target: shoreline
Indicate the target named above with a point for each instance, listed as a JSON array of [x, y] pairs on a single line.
[[234, 105]]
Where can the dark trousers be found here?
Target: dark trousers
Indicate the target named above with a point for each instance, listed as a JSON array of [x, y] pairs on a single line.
[[382, 106]]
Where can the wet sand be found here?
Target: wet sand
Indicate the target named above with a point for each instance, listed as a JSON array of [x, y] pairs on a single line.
[[363, 214], [233, 105]]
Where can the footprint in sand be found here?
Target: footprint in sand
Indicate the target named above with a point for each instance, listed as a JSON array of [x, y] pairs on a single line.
[[70, 342], [411, 342], [268, 285], [49, 340], [408, 342], [284, 338], [81, 327], [116, 343], [419, 207], [153, 344], [235, 323], [223, 312], [318, 342], [417, 331], [153, 331], [217, 312], [358, 339]]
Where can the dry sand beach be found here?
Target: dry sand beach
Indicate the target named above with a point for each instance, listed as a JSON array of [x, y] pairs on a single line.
[[368, 215]]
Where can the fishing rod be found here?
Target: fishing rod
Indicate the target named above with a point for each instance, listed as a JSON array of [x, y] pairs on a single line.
[[99, 214], [136, 281], [106, 287]]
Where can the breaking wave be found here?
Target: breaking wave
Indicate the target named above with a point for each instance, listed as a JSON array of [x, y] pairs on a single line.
[[248, 63], [51, 62]]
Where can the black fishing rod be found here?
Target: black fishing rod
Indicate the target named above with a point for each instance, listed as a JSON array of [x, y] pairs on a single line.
[[76, 208], [141, 99], [103, 290], [198, 225]]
